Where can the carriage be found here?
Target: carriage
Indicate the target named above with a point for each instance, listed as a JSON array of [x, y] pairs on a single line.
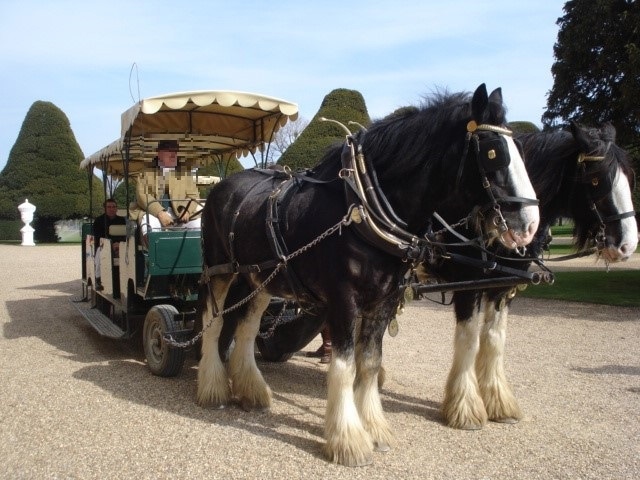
[[152, 290]]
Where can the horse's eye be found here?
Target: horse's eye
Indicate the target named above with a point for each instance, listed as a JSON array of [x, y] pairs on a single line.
[[595, 181]]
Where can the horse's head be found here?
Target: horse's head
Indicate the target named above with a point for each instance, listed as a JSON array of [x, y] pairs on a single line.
[[453, 156], [492, 169], [604, 179]]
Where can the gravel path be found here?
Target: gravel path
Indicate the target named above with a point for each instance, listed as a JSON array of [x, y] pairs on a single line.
[[76, 405]]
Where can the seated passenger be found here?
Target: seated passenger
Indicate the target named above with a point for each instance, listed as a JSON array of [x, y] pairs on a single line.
[[101, 230], [163, 193]]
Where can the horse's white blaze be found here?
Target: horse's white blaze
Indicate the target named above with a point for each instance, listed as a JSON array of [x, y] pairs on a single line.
[[499, 401], [247, 382], [213, 383], [522, 233], [621, 195], [462, 406], [348, 443]]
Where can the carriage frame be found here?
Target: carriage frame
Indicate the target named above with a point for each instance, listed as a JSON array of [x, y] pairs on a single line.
[[152, 292]]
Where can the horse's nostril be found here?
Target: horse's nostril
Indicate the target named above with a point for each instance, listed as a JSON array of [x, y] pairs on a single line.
[[624, 248]]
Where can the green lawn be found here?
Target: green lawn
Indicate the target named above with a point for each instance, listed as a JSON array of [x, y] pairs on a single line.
[[617, 287], [620, 288], [562, 230]]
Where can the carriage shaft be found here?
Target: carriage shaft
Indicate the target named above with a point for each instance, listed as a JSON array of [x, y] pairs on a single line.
[[511, 281]]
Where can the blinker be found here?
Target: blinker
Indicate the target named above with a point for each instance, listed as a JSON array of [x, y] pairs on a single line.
[[599, 184], [494, 153]]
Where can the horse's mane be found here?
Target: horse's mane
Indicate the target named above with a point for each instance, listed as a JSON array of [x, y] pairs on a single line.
[[547, 156], [405, 140], [415, 146]]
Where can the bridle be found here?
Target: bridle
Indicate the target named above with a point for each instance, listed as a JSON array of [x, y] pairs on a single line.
[[488, 164], [594, 181]]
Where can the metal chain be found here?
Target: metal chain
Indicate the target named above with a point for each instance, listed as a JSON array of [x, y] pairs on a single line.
[[462, 222], [346, 221], [281, 319]]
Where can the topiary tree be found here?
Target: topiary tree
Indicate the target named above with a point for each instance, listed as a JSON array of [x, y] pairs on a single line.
[[43, 167], [222, 168], [523, 127], [342, 105]]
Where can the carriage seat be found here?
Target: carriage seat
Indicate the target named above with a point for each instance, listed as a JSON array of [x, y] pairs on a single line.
[[117, 230], [114, 232]]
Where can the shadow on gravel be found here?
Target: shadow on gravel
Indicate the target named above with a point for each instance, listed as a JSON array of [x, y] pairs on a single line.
[[131, 381], [609, 370], [531, 307], [53, 319], [399, 403]]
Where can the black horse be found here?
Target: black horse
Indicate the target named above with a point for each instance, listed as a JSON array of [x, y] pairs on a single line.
[[341, 238], [581, 174]]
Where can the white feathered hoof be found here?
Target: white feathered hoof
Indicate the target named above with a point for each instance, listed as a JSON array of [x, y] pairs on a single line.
[[348, 456], [464, 416]]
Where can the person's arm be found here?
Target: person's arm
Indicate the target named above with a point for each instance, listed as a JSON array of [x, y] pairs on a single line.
[[194, 194], [145, 197]]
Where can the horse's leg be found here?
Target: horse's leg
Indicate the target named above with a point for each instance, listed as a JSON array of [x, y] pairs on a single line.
[[368, 368], [348, 443], [499, 401], [247, 382], [213, 383], [462, 406]]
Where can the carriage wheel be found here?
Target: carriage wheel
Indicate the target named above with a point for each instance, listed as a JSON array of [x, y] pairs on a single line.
[[270, 352], [163, 360], [289, 337]]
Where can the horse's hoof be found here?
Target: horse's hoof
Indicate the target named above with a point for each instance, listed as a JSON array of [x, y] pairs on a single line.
[[212, 404], [368, 460], [469, 428], [508, 420], [382, 447], [249, 406], [349, 459]]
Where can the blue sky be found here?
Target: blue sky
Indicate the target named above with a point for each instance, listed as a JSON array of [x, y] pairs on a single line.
[[79, 54]]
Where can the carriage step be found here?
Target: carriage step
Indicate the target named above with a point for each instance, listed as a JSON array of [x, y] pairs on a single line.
[[99, 321]]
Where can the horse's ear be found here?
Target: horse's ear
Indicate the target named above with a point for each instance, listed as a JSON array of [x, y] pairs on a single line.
[[496, 96], [580, 136], [608, 132], [496, 108], [479, 103]]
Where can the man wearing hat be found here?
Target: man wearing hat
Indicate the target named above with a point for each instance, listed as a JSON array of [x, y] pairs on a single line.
[[163, 193]]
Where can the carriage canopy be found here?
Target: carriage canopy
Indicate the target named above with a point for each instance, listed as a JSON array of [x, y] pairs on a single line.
[[212, 125]]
